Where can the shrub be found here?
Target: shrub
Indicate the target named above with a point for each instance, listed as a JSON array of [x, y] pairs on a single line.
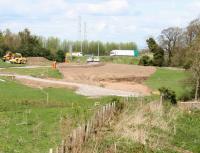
[[119, 105], [188, 95], [187, 65], [168, 95], [145, 61], [158, 57], [60, 56], [2, 52]]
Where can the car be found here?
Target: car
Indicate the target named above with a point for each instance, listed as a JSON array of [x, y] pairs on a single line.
[[90, 59], [96, 59]]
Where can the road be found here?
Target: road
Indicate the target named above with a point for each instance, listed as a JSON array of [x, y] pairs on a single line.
[[82, 89]]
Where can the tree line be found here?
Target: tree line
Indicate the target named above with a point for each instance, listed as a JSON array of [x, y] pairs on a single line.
[[176, 45], [179, 47], [31, 45]]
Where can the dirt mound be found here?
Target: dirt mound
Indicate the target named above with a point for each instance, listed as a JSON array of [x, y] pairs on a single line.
[[38, 61]]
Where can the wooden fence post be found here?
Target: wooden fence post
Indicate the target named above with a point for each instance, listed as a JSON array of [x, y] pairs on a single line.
[[57, 150], [87, 130], [81, 134], [73, 147], [62, 146], [70, 142], [51, 150], [103, 113]]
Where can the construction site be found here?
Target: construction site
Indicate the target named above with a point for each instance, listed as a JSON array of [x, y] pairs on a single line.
[[99, 76], [116, 77], [84, 90]]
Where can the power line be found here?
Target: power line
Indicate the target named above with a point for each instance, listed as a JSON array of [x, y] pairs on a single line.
[[80, 32], [85, 31]]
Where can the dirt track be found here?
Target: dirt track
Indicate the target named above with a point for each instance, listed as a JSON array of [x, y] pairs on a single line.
[[113, 76], [83, 89]]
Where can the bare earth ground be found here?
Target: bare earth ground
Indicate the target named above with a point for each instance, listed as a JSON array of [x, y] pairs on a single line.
[[112, 76], [38, 61], [95, 80]]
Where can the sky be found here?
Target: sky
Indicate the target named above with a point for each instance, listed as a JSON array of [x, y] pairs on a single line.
[[106, 20]]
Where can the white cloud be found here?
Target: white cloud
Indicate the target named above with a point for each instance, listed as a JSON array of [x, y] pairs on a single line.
[[110, 6], [108, 20]]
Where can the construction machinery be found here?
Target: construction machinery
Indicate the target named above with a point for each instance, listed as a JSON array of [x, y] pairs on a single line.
[[14, 58]]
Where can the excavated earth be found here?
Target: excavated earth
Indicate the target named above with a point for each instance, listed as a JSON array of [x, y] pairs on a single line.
[[112, 76]]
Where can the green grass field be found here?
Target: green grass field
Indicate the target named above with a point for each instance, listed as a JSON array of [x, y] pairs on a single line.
[[121, 60], [188, 129], [36, 72], [30, 123], [109, 59], [5, 65], [172, 79]]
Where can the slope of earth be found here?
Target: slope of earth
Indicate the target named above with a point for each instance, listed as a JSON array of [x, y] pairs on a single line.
[[38, 61]]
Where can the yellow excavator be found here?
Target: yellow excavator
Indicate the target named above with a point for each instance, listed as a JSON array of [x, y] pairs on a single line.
[[14, 58]]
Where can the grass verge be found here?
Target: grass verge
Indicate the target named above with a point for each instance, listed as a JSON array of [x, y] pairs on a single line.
[[187, 131], [121, 59], [35, 72], [6, 65], [172, 79], [109, 59], [31, 123]]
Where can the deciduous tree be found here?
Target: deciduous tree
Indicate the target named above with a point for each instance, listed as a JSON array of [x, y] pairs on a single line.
[[168, 40]]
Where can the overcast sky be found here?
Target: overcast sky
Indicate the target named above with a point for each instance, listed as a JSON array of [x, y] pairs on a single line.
[[107, 20]]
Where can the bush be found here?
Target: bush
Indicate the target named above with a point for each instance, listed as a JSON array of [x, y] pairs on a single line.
[[168, 95], [158, 57], [145, 61], [119, 105], [2, 52], [187, 96], [60, 56], [187, 65]]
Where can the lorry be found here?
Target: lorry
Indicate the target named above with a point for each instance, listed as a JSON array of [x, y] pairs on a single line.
[[133, 53]]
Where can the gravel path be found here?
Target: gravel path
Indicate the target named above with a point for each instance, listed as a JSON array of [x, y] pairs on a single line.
[[82, 89]]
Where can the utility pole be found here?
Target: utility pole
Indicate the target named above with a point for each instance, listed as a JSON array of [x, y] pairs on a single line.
[[119, 46], [98, 48], [85, 31], [85, 37], [80, 33], [70, 51]]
